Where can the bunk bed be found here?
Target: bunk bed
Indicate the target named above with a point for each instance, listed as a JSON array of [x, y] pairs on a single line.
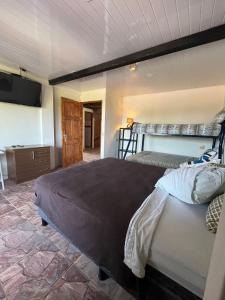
[[214, 131]]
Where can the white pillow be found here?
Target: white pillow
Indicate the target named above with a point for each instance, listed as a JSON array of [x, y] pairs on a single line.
[[193, 185]]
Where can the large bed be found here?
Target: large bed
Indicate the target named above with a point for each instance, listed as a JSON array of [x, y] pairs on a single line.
[[182, 246], [93, 204]]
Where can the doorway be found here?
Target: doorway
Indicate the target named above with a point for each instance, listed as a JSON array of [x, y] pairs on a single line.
[[92, 118]]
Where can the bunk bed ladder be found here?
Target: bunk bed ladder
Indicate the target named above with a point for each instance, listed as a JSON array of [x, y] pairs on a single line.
[[127, 144]]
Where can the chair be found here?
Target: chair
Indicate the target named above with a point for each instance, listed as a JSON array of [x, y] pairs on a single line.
[[1, 175]]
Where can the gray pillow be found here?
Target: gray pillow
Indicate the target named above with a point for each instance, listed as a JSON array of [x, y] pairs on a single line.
[[194, 185]]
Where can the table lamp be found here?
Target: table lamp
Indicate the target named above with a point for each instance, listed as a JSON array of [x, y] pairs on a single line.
[[130, 122]]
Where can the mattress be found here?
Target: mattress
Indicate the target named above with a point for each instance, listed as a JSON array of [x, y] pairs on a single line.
[[210, 129], [159, 159], [183, 252]]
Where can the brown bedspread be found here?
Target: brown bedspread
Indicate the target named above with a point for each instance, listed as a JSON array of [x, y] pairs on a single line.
[[92, 205]]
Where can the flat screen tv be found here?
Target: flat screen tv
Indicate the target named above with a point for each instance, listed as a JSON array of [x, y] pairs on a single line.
[[18, 90]]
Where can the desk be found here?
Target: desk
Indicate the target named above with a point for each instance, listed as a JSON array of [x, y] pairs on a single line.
[[27, 162]]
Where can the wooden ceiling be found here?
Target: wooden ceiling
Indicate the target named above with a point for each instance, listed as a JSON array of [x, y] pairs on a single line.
[[54, 37]]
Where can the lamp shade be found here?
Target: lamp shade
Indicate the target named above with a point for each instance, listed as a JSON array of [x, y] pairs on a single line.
[[130, 121]]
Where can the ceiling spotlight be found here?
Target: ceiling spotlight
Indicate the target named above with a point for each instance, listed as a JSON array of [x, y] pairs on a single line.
[[132, 67]]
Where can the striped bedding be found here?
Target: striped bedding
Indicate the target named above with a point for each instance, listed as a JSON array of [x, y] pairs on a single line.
[[210, 129]]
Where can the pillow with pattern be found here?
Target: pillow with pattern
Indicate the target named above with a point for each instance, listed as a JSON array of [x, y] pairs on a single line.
[[213, 213]]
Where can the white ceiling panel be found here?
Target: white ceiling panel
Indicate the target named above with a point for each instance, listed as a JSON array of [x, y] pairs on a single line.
[[218, 13], [172, 18], [195, 8], [207, 8], [54, 37]]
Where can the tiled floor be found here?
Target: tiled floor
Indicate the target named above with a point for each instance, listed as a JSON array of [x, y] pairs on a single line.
[[90, 154], [36, 262]]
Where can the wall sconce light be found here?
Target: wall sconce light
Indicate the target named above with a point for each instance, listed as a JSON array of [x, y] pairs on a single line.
[[132, 67], [130, 122]]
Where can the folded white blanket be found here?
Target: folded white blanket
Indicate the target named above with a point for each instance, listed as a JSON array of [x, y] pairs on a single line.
[[140, 232]]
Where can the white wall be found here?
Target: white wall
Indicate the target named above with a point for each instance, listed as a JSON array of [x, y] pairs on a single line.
[[20, 125], [24, 125], [47, 121], [99, 94], [184, 106], [58, 93], [113, 116]]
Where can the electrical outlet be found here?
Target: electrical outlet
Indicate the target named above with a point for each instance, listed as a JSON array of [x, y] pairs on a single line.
[[202, 147]]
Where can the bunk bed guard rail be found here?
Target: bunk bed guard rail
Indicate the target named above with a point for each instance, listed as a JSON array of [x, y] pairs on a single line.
[[215, 131]]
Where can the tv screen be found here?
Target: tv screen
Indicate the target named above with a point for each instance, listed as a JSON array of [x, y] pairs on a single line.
[[18, 90], [5, 81]]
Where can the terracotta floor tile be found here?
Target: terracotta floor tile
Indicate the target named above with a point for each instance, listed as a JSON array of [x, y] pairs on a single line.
[[5, 208], [10, 219], [13, 285], [91, 294], [31, 289], [10, 272], [37, 262], [15, 239], [109, 287], [56, 268], [68, 291], [45, 244], [73, 274], [2, 293], [87, 267], [8, 257], [72, 252]]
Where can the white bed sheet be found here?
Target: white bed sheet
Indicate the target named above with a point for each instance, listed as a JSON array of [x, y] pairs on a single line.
[[182, 246]]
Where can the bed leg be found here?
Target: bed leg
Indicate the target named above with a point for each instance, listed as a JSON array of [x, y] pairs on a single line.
[[141, 288], [102, 275], [43, 222]]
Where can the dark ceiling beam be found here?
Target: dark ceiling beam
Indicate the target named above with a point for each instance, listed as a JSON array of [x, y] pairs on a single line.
[[190, 41]]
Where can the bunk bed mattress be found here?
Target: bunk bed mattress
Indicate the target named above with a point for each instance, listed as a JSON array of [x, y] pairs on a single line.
[[210, 129], [183, 252], [159, 159]]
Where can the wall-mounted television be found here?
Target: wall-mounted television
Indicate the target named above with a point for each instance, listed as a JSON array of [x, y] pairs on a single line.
[[19, 90]]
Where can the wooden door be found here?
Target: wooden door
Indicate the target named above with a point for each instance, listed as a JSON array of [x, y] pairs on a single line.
[[72, 129]]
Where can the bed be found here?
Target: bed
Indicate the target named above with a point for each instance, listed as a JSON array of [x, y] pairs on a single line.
[[159, 159], [92, 206], [183, 252]]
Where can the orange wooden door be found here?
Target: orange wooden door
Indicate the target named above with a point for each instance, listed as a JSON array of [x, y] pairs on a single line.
[[72, 130]]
